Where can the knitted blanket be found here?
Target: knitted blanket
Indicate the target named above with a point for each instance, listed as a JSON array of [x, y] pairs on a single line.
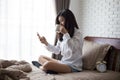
[[14, 70]]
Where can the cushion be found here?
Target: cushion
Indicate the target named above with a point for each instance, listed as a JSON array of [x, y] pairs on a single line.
[[93, 52], [113, 59]]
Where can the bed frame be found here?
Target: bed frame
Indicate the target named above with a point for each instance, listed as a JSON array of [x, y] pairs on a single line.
[[115, 42], [38, 74]]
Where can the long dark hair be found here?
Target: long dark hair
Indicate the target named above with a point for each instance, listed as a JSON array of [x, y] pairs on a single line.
[[70, 22]]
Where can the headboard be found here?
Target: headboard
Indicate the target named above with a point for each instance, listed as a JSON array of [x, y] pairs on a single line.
[[115, 42]]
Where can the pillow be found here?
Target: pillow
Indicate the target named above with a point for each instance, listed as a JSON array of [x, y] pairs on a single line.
[[93, 52], [113, 59]]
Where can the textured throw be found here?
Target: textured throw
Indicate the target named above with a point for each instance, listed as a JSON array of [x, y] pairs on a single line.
[[14, 70]]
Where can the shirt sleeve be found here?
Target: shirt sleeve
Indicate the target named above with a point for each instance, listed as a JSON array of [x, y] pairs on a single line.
[[54, 49], [66, 36], [76, 41]]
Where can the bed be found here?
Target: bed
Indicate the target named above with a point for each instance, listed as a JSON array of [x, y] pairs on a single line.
[[113, 65]]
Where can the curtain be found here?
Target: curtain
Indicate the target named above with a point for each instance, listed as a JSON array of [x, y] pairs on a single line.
[[60, 5], [20, 20]]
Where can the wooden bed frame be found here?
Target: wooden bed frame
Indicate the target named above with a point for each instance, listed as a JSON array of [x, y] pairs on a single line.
[[115, 42]]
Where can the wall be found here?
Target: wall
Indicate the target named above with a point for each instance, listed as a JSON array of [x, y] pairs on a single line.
[[75, 8], [98, 17]]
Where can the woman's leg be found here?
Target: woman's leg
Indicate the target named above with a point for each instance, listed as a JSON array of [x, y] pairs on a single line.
[[53, 64], [57, 67], [43, 59]]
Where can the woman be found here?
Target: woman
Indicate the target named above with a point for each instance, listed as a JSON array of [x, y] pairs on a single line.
[[69, 44]]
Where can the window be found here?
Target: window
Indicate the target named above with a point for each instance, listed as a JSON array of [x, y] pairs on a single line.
[[20, 20]]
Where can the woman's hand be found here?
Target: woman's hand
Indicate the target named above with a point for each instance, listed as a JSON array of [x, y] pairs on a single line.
[[62, 29], [42, 39]]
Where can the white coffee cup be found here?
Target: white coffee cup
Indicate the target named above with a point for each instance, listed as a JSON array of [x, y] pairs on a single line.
[[58, 28]]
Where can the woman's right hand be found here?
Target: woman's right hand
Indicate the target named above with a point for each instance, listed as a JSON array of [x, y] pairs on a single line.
[[42, 39], [62, 29]]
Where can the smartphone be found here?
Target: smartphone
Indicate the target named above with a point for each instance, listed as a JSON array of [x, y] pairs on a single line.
[[38, 35]]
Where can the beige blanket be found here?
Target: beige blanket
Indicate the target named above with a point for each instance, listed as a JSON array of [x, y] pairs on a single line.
[[14, 70]]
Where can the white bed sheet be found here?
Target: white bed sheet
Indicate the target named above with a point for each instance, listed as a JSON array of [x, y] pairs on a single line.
[[38, 74]]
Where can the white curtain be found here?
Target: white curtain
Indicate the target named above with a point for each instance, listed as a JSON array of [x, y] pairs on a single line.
[[20, 20]]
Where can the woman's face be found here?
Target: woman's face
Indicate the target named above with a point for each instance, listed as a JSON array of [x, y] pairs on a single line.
[[61, 20]]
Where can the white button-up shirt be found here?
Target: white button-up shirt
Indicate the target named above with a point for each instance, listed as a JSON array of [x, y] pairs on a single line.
[[70, 48]]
